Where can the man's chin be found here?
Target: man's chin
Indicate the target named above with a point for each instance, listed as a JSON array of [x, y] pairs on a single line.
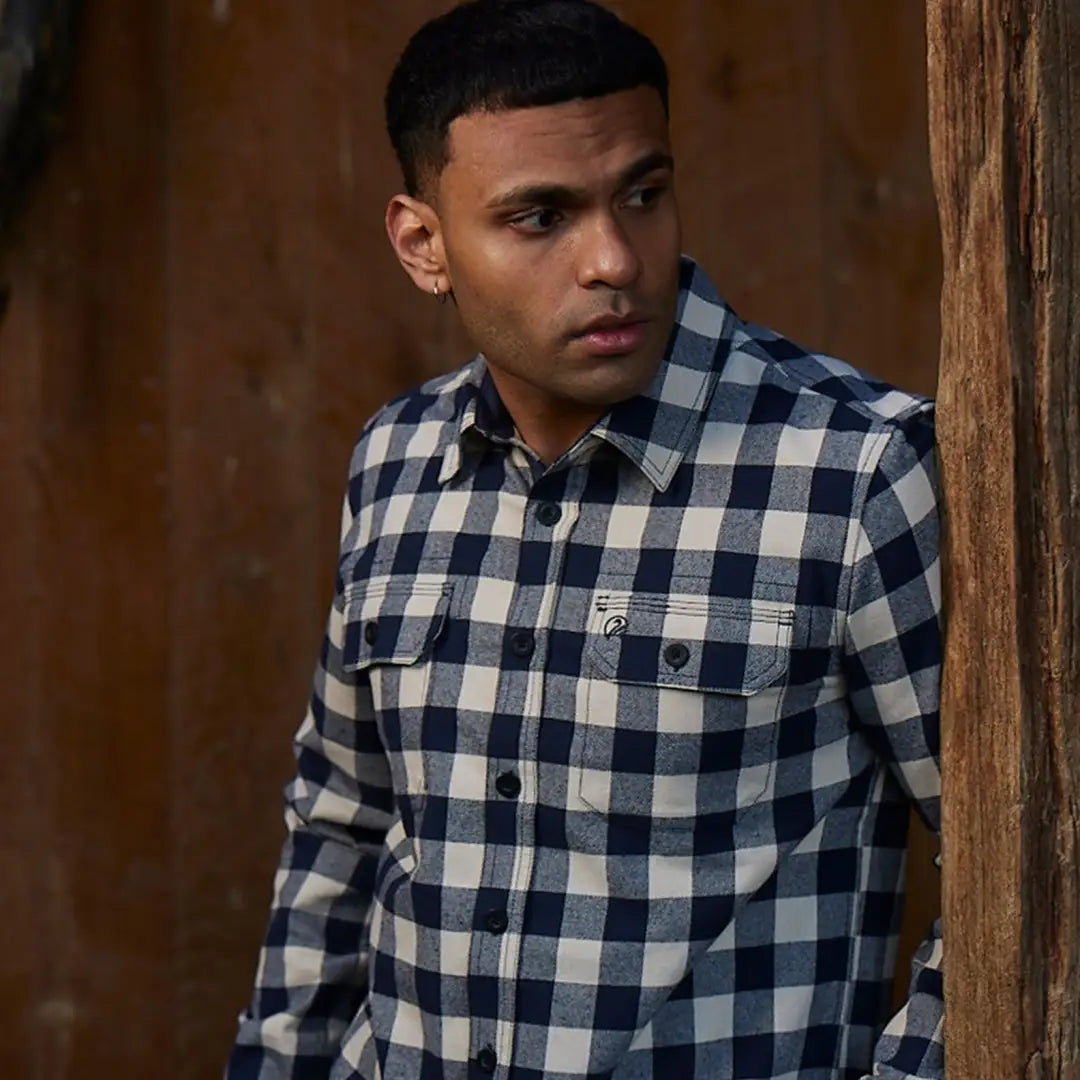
[[606, 393]]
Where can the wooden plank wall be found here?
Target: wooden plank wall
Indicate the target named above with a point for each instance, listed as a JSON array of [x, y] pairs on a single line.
[[204, 311]]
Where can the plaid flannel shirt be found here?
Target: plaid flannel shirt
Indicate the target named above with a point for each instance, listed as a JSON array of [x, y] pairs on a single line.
[[607, 765]]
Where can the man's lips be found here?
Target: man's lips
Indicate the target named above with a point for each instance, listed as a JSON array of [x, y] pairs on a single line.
[[612, 336]]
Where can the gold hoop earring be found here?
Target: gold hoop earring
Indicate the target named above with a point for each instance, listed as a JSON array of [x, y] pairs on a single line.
[[440, 296]]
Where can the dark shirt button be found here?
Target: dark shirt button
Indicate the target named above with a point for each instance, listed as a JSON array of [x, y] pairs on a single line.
[[522, 643], [677, 655], [548, 513], [371, 632], [496, 921], [508, 785], [486, 1060]]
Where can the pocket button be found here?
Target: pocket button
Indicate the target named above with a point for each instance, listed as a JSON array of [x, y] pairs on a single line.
[[677, 655]]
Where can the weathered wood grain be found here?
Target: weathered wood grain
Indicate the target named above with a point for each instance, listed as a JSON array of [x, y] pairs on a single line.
[[22, 993], [881, 239], [748, 121], [1005, 118], [241, 549], [89, 942]]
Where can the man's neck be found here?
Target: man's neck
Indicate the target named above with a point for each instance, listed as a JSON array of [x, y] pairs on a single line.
[[548, 425], [550, 433]]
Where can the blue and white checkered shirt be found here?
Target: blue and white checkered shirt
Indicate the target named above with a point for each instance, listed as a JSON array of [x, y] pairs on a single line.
[[607, 766]]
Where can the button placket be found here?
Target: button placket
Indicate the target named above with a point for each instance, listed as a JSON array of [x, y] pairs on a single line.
[[494, 949], [530, 620]]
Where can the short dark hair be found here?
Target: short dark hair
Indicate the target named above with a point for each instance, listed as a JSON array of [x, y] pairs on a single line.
[[492, 55]]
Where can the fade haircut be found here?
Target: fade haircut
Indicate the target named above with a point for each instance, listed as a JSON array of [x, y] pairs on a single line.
[[495, 55]]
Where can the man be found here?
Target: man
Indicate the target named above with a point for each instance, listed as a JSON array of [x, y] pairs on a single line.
[[632, 665]]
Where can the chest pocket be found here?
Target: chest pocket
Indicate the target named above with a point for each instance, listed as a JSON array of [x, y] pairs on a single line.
[[682, 697], [392, 624]]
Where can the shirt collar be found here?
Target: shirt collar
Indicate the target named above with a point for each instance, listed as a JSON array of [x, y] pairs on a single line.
[[655, 429], [479, 411]]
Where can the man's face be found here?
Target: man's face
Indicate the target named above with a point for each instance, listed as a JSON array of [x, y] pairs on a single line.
[[562, 242]]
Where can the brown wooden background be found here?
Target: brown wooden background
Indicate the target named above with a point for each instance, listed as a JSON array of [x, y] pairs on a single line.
[[204, 312]]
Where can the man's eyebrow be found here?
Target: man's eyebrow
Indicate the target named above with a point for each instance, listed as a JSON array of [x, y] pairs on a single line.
[[538, 195], [565, 195], [654, 162]]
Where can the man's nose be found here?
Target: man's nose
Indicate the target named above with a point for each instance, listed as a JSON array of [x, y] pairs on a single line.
[[606, 256]]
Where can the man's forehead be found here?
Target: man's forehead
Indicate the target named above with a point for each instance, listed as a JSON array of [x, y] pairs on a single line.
[[585, 134]]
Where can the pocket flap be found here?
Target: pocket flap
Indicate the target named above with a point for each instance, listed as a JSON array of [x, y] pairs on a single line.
[[691, 642], [393, 620]]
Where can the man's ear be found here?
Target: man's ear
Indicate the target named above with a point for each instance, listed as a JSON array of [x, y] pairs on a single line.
[[416, 237]]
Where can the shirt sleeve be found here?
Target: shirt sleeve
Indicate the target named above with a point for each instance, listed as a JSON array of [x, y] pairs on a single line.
[[893, 651], [312, 972]]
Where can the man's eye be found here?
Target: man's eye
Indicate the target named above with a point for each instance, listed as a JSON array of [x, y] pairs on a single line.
[[645, 196], [538, 220]]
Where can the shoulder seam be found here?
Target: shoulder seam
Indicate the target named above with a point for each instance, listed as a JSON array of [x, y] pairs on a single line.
[[918, 403]]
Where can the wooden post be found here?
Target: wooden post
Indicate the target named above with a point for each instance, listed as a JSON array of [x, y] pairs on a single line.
[[1005, 142]]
